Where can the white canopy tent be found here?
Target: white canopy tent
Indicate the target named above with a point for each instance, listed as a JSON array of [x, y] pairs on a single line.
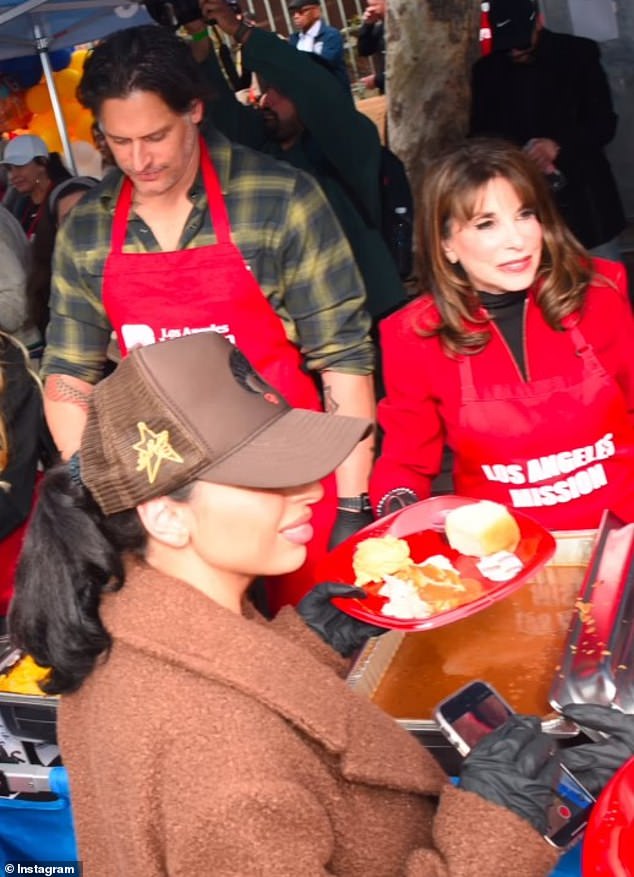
[[38, 27]]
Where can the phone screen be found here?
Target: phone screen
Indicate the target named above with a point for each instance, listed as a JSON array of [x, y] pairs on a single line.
[[569, 812], [477, 709], [481, 717]]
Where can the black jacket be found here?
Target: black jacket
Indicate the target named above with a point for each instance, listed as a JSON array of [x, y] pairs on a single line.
[[371, 41], [563, 94]]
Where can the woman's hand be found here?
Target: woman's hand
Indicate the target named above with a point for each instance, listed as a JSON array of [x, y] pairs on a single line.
[[594, 764], [344, 633], [515, 766]]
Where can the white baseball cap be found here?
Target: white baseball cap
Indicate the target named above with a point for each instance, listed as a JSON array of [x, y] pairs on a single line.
[[23, 149]]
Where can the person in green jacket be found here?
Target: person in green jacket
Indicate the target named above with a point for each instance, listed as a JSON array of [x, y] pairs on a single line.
[[307, 119]]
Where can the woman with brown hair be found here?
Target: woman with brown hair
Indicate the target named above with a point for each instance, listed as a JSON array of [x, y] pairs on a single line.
[[518, 358]]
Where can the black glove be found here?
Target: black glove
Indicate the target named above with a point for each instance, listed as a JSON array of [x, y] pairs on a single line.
[[348, 521], [594, 764], [343, 633], [515, 766], [395, 500]]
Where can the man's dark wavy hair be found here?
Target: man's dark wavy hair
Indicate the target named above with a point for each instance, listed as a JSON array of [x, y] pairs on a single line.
[[145, 58]]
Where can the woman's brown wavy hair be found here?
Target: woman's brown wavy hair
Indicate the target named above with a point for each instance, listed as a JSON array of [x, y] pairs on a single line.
[[450, 191]]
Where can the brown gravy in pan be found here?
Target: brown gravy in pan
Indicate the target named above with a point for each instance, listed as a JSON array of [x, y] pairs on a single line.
[[515, 645]]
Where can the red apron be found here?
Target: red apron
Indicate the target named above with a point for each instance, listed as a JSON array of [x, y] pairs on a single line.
[[150, 297], [561, 450]]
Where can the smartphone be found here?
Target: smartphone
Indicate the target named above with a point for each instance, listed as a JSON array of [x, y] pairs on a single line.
[[472, 712]]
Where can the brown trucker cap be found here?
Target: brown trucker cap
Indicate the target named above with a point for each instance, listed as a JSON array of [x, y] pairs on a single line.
[[194, 408]]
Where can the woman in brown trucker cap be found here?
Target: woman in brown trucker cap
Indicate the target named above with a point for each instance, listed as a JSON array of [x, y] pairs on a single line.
[[200, 738]]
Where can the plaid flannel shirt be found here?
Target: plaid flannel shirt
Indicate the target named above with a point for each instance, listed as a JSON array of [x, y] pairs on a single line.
[[286, 231]]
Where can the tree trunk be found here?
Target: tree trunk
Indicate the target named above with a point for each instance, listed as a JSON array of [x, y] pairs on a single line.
[[431, 45]]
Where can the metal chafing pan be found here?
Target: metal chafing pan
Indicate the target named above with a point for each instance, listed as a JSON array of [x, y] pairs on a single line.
[[515, 645], [597, 663]]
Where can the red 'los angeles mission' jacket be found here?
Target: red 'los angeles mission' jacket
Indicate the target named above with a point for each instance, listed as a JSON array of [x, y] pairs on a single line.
[[423, 389]]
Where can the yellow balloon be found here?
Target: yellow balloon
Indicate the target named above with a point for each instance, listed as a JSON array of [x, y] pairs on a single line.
[[38, 99], [77, 59], [66, 82], [52, 139]]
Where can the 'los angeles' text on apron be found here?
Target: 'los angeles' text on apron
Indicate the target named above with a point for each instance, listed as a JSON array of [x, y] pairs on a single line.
[[557, 449]]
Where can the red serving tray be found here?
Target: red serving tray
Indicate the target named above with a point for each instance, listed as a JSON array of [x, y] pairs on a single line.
[[422, 526]]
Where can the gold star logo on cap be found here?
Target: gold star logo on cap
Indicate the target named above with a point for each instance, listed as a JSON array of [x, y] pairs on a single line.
[[153, 448]]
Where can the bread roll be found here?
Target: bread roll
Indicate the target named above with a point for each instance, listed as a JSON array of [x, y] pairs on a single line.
[[482, 528]]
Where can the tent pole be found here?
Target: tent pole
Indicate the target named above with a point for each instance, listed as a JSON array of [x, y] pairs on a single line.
[[41, 44]]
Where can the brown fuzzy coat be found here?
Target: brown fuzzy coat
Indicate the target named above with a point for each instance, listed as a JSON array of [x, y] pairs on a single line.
[[213, 744]]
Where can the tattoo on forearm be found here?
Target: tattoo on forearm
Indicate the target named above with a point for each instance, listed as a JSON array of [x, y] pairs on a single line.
[[331, 406], [58, 389]]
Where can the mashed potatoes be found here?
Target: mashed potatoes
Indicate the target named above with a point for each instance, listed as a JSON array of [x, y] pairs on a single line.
[[411, 589]]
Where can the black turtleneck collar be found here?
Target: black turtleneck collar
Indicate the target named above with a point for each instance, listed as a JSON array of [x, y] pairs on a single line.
[[507, 309], [502, 301]]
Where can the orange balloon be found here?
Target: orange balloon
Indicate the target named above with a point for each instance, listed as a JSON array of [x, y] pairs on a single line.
[[42, 123], [52, 139], [66, 82], [72, 111], [82, 127], [45, 126], [38, 99]]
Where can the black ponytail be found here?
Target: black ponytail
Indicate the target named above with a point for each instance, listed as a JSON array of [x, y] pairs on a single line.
[[72, 555]]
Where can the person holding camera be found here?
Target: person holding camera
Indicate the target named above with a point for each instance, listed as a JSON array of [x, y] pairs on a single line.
[[194, 235]]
